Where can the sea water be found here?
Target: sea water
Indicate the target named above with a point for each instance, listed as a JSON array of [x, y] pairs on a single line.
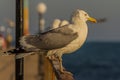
[[95, 61]]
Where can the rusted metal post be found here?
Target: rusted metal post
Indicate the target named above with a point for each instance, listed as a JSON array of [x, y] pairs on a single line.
[[19, 33]]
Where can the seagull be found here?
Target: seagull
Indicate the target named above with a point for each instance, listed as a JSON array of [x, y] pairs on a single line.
[[64, 22], [56, 23], [62, 40]]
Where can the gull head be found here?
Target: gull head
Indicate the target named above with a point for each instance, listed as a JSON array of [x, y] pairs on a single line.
[[83, 16]]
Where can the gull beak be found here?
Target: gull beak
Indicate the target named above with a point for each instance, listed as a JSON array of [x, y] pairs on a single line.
[[92, 20]]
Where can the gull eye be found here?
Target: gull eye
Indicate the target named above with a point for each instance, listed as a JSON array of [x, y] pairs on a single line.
[[85, 14]]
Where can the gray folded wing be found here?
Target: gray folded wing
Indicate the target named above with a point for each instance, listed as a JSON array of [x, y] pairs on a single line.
[[53, 39]]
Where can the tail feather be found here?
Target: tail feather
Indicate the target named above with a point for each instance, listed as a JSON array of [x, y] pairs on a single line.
[[25, 43], [29, 42]]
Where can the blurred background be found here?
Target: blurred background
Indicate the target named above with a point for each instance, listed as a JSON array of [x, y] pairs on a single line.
[[98, 59]]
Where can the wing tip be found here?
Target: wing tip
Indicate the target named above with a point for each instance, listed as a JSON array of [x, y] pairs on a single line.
[[24, 43]]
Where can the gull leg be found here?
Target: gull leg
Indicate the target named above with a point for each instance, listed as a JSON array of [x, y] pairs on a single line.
[[59, 56], [61, 66], [62, 70], [52, 57]]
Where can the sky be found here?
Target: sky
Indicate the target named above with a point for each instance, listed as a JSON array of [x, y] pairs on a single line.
[[62, 9]]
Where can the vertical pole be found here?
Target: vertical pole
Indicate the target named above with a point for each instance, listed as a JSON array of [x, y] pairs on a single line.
[[19, 32], [45, 68], [41, 23], [40, 56], [26, 18]]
